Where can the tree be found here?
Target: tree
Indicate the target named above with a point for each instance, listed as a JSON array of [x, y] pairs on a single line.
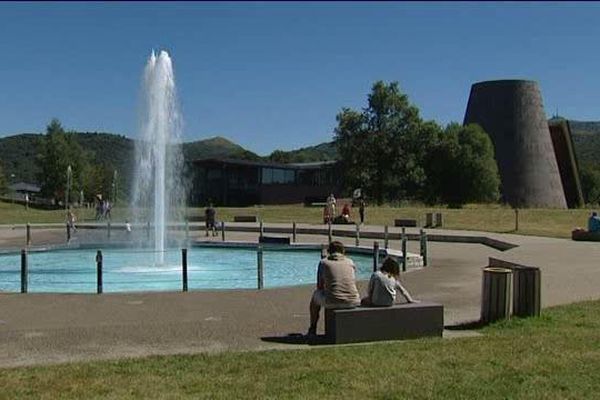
[[59, 151], [382, 148], [3, 183], [590, 183], [461, 167]]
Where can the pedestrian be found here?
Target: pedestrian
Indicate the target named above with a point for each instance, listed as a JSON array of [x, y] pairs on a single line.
[[361, 210]]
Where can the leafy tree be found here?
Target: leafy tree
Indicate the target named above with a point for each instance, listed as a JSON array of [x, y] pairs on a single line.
[[59, 151], [590, 183], [3, 183], [461, 167], [382, 148]]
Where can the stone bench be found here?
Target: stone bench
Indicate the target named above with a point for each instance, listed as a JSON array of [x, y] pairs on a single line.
[[368, 324], [409, 223], [244, 218], [274, 239]]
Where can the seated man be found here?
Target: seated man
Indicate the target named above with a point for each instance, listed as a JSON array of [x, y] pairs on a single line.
[[594, 222], [336, 284]]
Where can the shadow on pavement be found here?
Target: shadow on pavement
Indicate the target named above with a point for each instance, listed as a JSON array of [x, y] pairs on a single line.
[[464, 326], [296, 339]]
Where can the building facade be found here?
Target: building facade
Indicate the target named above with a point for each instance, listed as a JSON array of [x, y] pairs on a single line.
[[228, 182]]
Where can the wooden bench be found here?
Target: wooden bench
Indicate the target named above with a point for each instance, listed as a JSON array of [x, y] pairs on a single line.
[[244, 218], [409, 223], [274, 239], [398, 322]]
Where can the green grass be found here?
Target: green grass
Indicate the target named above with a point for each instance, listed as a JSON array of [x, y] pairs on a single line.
[[556, 356], [491, 218]]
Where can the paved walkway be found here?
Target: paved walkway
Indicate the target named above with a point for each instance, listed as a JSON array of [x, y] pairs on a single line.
[[50, 328]]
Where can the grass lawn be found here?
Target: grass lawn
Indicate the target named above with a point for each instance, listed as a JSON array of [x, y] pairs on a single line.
[[556, 356], [491, 218]]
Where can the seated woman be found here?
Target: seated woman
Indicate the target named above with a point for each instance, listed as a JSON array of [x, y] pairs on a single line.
[[346, 213], [383, 286]]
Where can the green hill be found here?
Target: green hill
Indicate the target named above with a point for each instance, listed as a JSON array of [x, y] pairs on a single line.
[[586, 139], [321, 152], [216, 147]]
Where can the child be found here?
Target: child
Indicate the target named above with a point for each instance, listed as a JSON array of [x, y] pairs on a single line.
[[383, 285]]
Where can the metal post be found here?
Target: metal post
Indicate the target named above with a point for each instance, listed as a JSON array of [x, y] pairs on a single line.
[[404, 249], [329, 232], [99, 272], [516, 219], [294, 231], [259, 260], [357, 239], [28, 234], [184, 269], [68, 232], [24, 271], [424, 247], [260, 229], [375, 255], [108, 229], [386, 237], [223, 230]]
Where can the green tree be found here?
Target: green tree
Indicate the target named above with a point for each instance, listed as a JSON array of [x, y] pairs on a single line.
[[590, 183], [461, 167], [3, 182], [382, 149], [59, 151]]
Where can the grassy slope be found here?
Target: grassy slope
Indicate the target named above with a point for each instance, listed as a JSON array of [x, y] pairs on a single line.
[[542, 222], [556, 356]]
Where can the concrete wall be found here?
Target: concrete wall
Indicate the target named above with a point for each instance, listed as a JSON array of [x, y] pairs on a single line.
[[560, 132], [511, 112]]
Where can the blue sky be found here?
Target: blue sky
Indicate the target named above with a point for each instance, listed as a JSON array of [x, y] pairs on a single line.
[[274, 75]]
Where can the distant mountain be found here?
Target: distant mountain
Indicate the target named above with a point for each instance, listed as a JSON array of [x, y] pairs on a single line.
[[18, 153], [216, 147], [585, 127], [321, 152], [586, 140]]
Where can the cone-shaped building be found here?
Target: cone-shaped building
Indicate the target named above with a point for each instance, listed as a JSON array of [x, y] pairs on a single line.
[[511, 112]]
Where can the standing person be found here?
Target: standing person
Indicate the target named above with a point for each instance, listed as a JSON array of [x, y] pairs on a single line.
[[127, 227], [331, 206], [383, 285], [361, 210], [594, 222], [26, 201], [209, 216], [71, 219], [336, 284]]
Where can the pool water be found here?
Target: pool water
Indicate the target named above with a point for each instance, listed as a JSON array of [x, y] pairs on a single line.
[[130, 270]]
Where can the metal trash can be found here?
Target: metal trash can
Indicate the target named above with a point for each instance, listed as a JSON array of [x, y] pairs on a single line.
[[497, 295], [526, 291]]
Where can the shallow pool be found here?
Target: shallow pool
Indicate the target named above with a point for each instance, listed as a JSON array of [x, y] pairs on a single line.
[[130, 270]]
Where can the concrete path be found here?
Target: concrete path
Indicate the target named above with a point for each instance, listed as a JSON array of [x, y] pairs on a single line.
[[50, 328]]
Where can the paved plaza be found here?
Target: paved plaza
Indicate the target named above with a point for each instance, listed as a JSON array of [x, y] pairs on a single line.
[[51, 328]]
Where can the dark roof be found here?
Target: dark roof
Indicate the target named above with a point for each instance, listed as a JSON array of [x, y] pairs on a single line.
[[267, 164], [25, 187]]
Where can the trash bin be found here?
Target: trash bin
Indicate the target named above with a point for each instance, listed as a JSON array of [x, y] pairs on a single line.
[[496, 300], [526, 291]]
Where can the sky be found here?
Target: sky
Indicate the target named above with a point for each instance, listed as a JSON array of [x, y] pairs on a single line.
[[274, 75]]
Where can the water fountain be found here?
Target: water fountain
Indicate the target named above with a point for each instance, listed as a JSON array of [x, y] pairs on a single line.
[[158, 181]]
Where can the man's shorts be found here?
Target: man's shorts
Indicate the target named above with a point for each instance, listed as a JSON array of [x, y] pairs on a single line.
[[319, 298]]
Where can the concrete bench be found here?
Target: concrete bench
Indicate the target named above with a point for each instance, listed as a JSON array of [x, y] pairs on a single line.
[[368, 324], [244, 218], [274, 239], [409, 223]]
